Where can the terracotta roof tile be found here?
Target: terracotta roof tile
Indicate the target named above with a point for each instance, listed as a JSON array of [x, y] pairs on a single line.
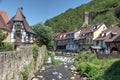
[[61, 36], [3, 25], [110, 34], [72, 32], [56, 34], [4, 16], [83, 34]]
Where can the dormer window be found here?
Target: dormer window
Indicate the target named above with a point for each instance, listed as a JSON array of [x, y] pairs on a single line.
[[112, 35], [60, 36], [64, 36], [83, 34], [103, 35]]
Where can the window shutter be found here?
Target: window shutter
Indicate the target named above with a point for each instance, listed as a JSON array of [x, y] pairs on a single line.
[[21, 25], [15, 26], [20, 35], [14, 35]]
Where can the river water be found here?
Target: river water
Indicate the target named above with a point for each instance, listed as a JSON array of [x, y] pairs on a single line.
[[61, 72]]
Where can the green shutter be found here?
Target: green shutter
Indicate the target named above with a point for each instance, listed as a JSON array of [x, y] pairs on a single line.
[[20, 35], [21, 25], [14, 35], [15, 26]]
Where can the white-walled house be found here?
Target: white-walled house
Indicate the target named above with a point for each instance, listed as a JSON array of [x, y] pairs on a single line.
[[21, 32]]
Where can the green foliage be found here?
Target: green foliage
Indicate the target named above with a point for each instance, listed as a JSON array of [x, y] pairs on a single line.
[[6, 46], [44, 34], [46, 54], [106, 11], [25, 73], [2, 36], [94, 69], [55, 62], [113, 72], [35, 52]]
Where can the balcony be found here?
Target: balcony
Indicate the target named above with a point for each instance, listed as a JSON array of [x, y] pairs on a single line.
[[18, 30], [17, 40]]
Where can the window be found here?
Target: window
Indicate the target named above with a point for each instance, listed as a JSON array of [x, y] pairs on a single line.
[[90, 40], [72, 46], [68, 46], [18, 26], [101, 43], [97, 43], [14, 35], [87, 40]]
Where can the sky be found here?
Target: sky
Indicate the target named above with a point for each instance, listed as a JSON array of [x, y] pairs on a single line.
[[37, 11]]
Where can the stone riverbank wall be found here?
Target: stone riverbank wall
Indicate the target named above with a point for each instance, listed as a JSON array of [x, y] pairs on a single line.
[[13, 63]]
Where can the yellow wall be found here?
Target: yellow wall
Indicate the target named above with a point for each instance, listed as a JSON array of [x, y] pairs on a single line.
[[98, 31]]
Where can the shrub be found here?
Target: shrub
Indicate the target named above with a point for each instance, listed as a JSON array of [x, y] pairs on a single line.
[[113, 72], [46, 54], [35, 52], [94, 69], [7, 47], [25, 73]]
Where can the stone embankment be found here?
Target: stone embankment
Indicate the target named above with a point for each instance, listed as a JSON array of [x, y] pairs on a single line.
[[13, 63]]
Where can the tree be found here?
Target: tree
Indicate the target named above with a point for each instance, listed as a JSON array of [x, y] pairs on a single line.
[[44, 35], [73, 18], [2, 37]]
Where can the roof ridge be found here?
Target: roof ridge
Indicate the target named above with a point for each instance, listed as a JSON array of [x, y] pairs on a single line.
[[19, 16]]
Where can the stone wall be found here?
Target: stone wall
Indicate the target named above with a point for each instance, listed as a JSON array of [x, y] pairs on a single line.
[[12, 63]]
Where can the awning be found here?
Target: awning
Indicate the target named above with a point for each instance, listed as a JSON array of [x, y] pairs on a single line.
[[96, 47]]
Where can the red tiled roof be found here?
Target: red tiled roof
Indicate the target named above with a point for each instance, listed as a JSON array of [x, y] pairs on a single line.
[[4, 16], [72, 32], [61, 36], [20, 17], [115, 31], [3, 25], [56, 34], [83, 31]]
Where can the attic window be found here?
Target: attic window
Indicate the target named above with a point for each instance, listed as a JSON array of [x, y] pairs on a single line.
[[60, 36], [112, 35], [64, 36], [83, 34], [103, 35], [95, 27]]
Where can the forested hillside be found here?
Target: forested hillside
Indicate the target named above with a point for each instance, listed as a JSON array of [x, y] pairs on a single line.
[[106, 11]]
